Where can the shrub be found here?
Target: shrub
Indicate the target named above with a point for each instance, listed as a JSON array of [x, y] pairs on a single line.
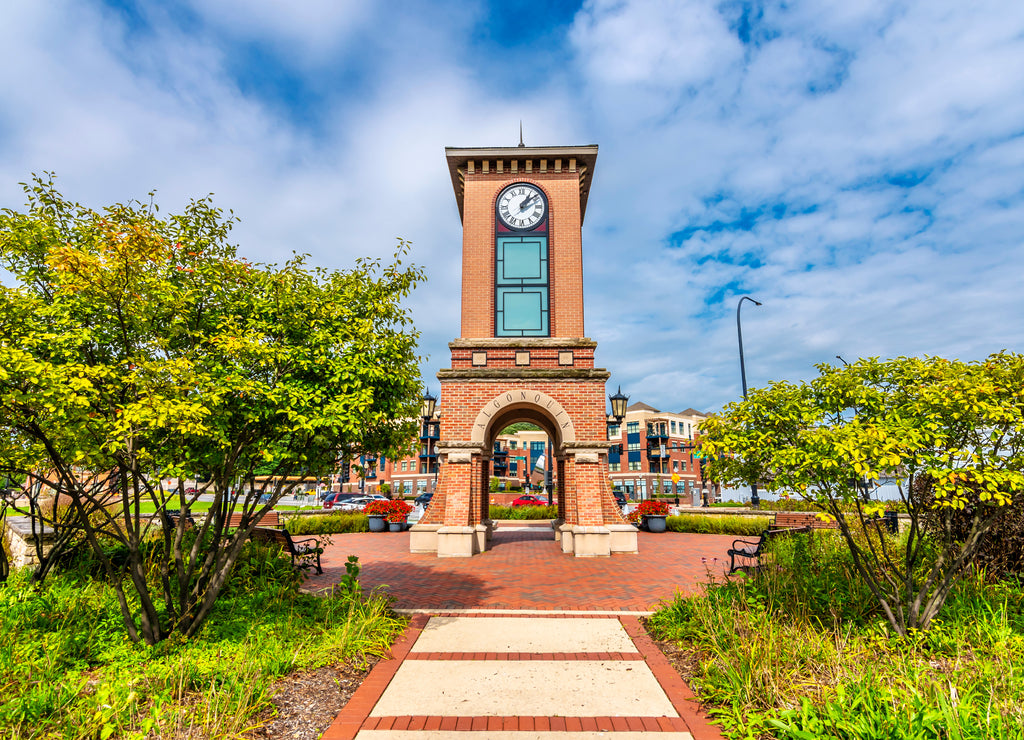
[[341, 522], [1001, 551], [744, 526], [523, 512]]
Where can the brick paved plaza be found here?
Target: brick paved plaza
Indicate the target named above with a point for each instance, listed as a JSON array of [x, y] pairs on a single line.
[[525, 569]]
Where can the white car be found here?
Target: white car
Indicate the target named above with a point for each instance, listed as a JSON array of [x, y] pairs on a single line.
[[358, 503]]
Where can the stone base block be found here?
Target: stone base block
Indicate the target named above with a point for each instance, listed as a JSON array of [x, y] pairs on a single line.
[[591, 542], [423, 538], [461, 542], [563, 533], [623, 539]]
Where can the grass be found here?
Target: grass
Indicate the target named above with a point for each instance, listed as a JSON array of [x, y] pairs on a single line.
[[800, 651], [69, 671]]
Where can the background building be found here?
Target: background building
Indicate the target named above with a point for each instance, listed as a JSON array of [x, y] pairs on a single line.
[[657, 454]]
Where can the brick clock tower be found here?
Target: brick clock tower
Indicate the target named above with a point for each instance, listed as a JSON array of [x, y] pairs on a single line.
[[522, 354]]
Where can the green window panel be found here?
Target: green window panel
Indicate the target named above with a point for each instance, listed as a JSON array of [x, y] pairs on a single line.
[[522, 261], [522, 312], [521, 297]]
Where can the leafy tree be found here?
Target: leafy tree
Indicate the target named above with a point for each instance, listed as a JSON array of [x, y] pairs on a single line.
[[138, 349], [958, 425]]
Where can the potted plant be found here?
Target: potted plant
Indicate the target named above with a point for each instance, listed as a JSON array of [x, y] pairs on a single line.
[[377, 511], [397, 515], [650, 515]]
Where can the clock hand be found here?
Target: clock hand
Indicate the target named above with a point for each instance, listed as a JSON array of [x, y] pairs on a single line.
[[528, 201]]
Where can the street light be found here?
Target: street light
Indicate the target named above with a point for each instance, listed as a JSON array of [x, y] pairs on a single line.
[[619, 402], [427, 406], [429, 402], [754, 500]]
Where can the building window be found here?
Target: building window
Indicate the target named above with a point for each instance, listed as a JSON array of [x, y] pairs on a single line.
[[675, 466], [614, 431], [614, 467], [633, 446], [632, 427], [512, 444], [634, 465], [672, 426]]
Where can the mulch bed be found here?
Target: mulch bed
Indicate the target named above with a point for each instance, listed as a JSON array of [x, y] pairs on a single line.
[[305, 704]]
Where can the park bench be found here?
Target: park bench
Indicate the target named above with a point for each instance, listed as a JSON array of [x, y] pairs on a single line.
[[305, 553], [786, 523], [270, 519], [800, 519]]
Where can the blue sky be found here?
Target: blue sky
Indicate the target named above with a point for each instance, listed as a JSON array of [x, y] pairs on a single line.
[[856, 166]]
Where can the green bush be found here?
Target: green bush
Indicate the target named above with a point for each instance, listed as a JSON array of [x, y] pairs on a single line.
[[69, 671], [718, 524], [339, 522], [523, 512], [801, 651]]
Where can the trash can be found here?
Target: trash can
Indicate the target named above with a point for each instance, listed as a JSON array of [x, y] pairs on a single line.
[[892, 522]]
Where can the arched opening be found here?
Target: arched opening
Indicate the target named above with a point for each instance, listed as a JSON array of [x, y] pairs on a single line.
[[552, 439]]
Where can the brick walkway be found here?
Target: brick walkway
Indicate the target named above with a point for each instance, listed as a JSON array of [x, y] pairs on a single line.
[[525, 569]]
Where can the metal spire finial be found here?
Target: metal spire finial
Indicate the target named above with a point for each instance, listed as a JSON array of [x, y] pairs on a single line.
[[521, 134]]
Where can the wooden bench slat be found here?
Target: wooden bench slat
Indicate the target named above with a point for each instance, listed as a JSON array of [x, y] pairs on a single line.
[[270, 519]]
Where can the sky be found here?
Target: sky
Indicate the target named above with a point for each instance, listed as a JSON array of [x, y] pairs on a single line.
[[855, 166]]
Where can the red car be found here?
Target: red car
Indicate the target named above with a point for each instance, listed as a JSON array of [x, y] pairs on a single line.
[[528, 500]]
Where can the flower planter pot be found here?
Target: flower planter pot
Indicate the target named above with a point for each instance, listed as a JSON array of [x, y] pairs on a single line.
[[396, 526], [377, 524], [654, 523]]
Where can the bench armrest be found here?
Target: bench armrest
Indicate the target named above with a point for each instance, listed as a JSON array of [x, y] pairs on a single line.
[[304, 541], [746, 542]]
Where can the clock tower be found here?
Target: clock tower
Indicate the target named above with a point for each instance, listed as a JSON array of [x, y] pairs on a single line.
[[522, 354]]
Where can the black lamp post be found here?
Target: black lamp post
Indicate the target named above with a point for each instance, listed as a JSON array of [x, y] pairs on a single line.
[[755, 501], [427, 406], [619, 402]]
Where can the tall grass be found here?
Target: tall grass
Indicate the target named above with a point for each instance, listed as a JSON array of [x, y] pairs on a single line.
[[800, 652], [69, 671]]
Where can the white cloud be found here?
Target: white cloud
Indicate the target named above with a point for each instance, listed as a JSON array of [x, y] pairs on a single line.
[[854, 165]]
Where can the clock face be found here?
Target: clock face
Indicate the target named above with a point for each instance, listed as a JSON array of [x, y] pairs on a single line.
[[522, 206]]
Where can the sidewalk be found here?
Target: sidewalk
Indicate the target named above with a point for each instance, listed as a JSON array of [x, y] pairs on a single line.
[[523, 641], [519, 677]]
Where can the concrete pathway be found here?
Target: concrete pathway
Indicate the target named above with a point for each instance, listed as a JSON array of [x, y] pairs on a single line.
[[524, 641]]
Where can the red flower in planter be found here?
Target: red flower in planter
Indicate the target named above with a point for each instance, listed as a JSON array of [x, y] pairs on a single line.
[[392, 511], [648, 508], [399, 511]]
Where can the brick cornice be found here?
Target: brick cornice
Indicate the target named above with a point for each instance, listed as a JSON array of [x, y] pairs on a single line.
[[526, 375], [523, 343]]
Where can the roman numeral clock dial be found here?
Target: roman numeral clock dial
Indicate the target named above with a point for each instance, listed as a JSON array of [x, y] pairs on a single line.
[[521, 206]]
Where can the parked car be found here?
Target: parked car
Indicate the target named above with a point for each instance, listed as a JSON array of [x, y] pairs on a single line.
[[424, 498], [358, 503], [528, 500], [620, 497], [336, 498]]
